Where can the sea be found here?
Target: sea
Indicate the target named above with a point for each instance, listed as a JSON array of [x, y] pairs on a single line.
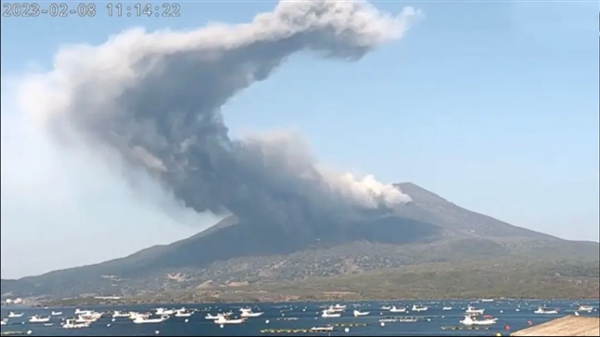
[[295, 318]]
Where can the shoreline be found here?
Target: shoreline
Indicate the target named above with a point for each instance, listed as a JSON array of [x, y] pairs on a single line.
[[125, 302]]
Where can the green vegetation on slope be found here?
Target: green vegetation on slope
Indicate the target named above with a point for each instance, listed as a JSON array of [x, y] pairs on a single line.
[[561, 279]]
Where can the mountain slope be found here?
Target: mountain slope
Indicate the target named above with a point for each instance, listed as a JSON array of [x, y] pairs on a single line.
[[430, 229], [431, 208]]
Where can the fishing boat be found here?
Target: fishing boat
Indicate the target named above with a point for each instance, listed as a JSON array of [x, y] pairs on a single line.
[[394, 309], [419, 308], [544, 311], [358, 313], [471, 320]]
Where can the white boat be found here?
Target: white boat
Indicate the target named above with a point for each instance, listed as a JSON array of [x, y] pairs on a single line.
[[72, 324], [82, 312], [211, 317], [385, 307], [321, 329], [587, 308], [163, 311], [117, 314], [91, 317], [472, 311], [544, 311], [14, 315], [447, 308], [358, 313], [56, 313], [183, 313], [473, 320], [394, 309], [330, 314], [224, 320], [419, 308], [339, 307], [487, 300], [39, 319], [145, 320], [248, 313], [135, 315], [336, 308], [3, 322]]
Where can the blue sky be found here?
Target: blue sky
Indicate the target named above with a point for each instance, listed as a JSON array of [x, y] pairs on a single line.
[[492, 105]]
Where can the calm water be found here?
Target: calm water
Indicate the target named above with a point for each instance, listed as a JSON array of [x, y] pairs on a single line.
[[511, 314]]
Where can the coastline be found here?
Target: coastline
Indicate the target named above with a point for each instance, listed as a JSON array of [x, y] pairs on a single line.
[[66, 303]]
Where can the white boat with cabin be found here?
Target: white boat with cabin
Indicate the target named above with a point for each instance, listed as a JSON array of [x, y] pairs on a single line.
[[163, 311], [472, 311], [224, 320], [184, 313], [330, 314], [471, 320], [247, 312], [544, 311], [14, 315], [419, 308], [144, 320], [124, 314], [394, 309], [71, 323], [39, 319], [358, 313], [82, 312]]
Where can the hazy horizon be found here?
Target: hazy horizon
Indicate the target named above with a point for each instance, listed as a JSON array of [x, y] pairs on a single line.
[[492, 106]]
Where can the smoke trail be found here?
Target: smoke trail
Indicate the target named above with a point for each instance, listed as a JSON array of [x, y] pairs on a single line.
[[156, 99]]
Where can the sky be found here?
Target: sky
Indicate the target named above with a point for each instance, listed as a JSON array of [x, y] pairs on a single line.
[[492, 105]]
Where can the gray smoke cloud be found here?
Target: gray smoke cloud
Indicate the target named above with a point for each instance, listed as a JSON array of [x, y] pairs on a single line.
[[156, 99]]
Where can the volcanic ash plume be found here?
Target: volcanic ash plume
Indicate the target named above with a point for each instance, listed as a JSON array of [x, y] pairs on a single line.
[[155, 98]]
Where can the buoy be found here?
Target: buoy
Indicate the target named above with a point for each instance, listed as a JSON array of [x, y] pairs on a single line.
[[221, 326], [108, 325], [112, 320], [429, 320], [267, 322], [346, 330], [156, 332], [529, 323], [501, 311], [382, 324], [29, 332], [186, 320], [507, 327]]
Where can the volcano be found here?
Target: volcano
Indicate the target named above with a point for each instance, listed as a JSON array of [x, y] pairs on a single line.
[[428, 229]]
